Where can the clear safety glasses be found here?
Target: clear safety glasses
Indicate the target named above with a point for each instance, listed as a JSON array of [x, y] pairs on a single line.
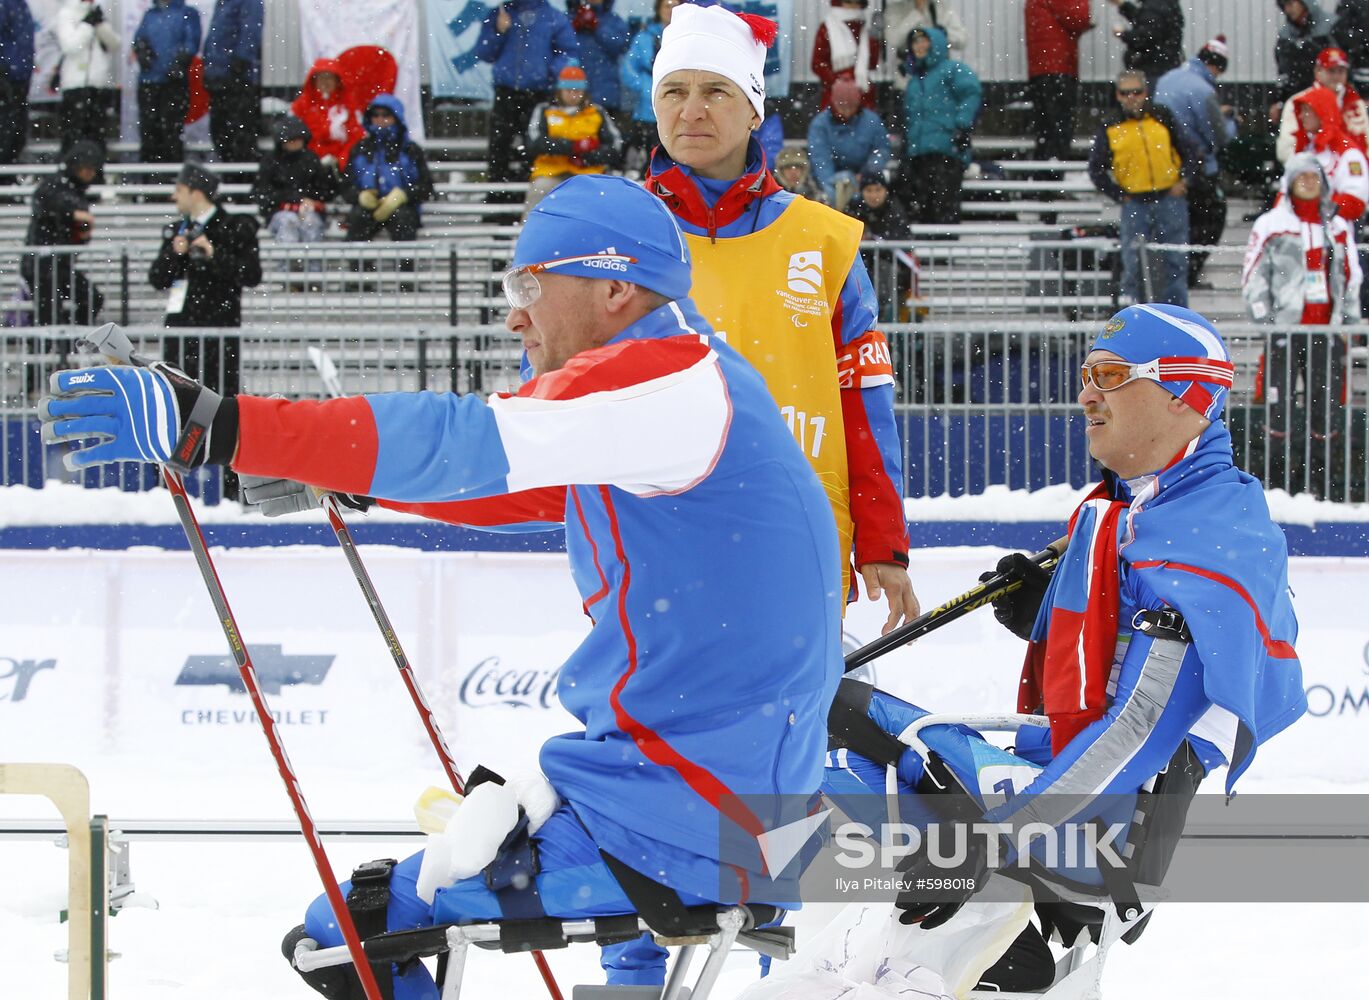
[[522, 288]]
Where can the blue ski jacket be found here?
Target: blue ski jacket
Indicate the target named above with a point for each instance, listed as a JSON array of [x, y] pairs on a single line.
[[704, 550], [16, 41], [600, 51], [538, 45], [172, 33], [233, 46]]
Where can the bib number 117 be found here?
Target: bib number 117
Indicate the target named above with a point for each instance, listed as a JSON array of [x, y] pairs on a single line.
[[805, 429]]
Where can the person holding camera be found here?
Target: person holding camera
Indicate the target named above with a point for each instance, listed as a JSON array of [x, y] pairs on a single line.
[[207, 258], [167, 39], [86, 77]]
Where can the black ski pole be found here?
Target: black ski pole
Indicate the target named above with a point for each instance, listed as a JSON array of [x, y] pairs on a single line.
[[957, 607]]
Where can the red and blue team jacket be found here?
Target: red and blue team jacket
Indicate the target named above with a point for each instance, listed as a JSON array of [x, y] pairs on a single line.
[[702, 545]]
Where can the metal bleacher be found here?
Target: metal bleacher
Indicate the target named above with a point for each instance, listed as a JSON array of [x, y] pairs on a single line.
[[999, 261]]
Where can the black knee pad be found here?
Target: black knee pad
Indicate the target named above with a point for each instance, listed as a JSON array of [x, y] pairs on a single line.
[[337, 983]]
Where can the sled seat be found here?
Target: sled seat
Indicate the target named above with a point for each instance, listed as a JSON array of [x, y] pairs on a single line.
[[717, 928]]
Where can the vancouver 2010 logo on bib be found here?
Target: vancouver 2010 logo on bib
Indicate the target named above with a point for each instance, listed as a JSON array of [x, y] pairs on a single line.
[[805, 272]]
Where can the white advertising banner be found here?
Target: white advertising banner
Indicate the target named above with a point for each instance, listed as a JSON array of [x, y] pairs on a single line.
[[329, 27], [114, 662]]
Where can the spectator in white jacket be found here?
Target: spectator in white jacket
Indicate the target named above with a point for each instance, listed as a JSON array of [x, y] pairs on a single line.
[[89, 47]]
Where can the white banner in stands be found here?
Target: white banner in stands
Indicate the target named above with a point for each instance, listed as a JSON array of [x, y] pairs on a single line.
[[113, 661], [130, 16], [454, 26], [328, 27]]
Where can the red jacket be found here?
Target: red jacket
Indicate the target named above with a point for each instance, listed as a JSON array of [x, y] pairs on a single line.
[[334, 123], [1053, 31]]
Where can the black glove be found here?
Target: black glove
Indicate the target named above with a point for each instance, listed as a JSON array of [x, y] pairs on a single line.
[[961, 140], [944, 890], [1017, 611], [241, 69], [142, 51], [94, 16]]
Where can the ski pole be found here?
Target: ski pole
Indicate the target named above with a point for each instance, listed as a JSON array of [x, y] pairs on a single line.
[[112, 341], [387, 631], [957, 607], [248, 672], [331, 507], [368, 590]]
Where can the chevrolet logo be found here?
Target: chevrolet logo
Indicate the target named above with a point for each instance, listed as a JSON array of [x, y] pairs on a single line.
[[275, 669]]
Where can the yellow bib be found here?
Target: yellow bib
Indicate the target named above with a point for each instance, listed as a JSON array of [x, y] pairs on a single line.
[[771, 295]]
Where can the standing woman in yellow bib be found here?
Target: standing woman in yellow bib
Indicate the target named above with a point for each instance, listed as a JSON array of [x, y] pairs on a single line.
[[780, 279]]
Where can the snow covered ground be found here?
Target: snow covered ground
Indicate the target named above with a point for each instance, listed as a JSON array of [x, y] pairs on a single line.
[[67, 503]]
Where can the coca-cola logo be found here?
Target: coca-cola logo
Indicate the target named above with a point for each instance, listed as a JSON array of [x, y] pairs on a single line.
[[491, 683]]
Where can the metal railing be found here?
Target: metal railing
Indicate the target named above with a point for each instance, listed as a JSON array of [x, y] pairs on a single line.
[[348, 283], [979, 403], [457, 283], [930, 280]]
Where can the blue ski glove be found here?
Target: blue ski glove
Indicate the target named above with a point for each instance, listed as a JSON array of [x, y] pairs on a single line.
[[154, 414]]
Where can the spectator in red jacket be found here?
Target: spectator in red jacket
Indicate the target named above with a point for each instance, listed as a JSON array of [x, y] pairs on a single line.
[[1054, 28], [1321, 133], [334, 122], [845, 48]]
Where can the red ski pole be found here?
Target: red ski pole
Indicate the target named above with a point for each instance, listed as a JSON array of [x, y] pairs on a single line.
[[387, 630], [243, 658], [406, 671]]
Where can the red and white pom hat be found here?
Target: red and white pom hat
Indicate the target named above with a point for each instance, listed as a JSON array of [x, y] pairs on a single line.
[[718, 41]]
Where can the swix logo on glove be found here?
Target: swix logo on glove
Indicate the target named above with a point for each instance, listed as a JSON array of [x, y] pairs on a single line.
[[81, 379]]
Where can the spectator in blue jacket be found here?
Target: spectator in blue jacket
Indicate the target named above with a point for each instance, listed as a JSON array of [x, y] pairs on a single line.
[[1190, 94], [16, 69], [636, 78], [529, 42], [232, 75], [845, 141], [167, 39], [940, 105], [387, 175], [603, 38]]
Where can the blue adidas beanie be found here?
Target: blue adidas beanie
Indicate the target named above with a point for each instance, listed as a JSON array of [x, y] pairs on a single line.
[[1192, 359], [620, 229]]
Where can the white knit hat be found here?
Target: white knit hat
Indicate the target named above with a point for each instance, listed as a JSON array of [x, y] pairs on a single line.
[[718, 41]]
